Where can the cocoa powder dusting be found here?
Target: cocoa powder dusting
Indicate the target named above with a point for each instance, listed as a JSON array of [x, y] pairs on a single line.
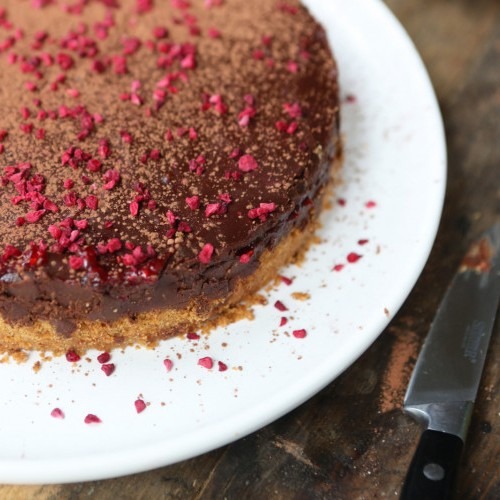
[[399, 367]]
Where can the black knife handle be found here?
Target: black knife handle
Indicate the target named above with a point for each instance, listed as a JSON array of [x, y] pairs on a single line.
[[432, 471]]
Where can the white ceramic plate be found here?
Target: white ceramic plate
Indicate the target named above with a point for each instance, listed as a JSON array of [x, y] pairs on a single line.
[[395, 158]]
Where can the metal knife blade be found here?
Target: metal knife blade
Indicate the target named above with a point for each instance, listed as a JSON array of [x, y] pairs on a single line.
[[446, 377]]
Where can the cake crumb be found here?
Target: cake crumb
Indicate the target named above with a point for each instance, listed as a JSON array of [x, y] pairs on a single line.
[[17, 356], [20, 356], [302, 296]]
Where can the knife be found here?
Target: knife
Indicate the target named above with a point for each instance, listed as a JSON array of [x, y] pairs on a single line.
[[445, 381]]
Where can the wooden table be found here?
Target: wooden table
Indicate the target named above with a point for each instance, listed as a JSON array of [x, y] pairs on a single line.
[[352, 441]]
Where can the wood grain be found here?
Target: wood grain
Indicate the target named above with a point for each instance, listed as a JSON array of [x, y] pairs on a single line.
[[352, 440]]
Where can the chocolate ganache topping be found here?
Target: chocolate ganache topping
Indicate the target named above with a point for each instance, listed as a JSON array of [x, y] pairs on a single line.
[[151, 151]]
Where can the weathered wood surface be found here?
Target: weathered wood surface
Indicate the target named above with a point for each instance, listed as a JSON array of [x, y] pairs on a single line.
[[352, 440]]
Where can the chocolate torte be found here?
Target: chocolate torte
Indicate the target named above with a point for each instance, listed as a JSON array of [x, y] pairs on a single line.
[[160, 160]]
